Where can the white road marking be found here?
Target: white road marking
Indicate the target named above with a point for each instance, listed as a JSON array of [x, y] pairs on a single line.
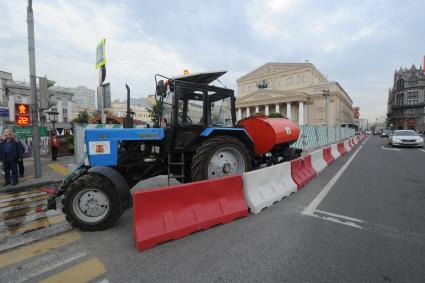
[[319, 198], [37, 266], [332, 219], [339, 216], [387, 148], [421, 149]]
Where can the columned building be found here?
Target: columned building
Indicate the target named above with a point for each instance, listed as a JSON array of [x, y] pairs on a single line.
[[406, 100], [297, 91]]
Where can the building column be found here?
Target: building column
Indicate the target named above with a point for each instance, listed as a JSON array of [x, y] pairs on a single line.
[[257, 109], [288, 110], [266, 110], [60, 110], [277, 110], [11, 105], [239, 114], [247, 112], [301, 113]]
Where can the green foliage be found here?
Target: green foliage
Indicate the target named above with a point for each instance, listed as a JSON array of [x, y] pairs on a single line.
[[276, 115], [82, 118], [154, 111]]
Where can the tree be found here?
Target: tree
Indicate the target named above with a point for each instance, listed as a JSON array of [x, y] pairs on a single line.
[[154, 111], [276, 115], [82, 118]]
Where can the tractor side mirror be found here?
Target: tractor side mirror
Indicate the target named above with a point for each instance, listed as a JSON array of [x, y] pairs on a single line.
[[161, 88]]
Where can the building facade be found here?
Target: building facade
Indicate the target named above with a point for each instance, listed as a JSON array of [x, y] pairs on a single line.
[[83, 99], [297, 91], [406, 100], [120, 109]]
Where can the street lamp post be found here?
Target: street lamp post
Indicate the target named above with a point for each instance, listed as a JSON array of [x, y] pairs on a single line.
[[325, 93], [53, 117]]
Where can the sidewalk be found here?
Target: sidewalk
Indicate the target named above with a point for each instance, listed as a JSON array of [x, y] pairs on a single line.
[[52, 173]]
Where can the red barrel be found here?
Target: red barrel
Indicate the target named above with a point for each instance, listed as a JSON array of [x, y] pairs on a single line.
[[267, 132]]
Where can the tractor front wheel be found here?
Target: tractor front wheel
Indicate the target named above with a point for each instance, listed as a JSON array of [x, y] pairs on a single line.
[[219, 157], [91, 203]]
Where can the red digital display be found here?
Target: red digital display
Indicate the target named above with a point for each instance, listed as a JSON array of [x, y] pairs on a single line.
[[22, 120], [22, 114]]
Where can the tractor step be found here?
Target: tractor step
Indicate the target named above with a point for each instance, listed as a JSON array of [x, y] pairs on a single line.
[[172, 162]]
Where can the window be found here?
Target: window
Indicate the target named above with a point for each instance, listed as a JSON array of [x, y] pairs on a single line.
[[400, 98], [221, 113], [412, 98]]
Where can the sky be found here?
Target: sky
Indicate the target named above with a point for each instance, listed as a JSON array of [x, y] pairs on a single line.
[[357, 43]]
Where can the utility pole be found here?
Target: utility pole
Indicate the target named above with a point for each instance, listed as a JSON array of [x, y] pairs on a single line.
[[33, 90]]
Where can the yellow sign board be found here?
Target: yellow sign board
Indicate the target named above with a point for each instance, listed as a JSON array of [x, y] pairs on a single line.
[[100, 54]]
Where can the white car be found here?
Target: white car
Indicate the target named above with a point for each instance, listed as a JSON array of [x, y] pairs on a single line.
[[406, 138]]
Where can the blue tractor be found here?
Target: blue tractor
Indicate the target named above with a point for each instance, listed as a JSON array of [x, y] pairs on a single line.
[[194, 137]]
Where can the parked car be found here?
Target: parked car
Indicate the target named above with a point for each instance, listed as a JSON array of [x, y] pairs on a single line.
[[406, 138], [386, 133]]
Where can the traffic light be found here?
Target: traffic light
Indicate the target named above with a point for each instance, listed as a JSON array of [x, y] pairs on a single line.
[[46, 95], [22, 114]]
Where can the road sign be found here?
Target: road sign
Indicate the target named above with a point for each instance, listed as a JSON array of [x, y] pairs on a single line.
[[4, 112], [26, 132], [103, 96], [100, 54]]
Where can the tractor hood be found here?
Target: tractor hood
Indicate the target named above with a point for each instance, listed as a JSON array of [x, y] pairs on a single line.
[[200, 78]]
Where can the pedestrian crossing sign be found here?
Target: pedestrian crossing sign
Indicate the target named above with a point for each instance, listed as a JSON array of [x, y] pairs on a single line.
[[100, 54]]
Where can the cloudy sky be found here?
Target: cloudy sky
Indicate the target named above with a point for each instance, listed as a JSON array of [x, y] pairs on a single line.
[[358, 43]]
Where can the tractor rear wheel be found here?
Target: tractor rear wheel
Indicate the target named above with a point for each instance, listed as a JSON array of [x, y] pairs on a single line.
[[219, 157], [91, 203]]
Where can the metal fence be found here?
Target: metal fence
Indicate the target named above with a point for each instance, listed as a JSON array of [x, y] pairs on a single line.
[[318, 136]]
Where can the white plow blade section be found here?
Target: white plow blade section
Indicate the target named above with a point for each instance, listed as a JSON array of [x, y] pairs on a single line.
[[265, 186], [334, 151], [317, 161], [347, 145]]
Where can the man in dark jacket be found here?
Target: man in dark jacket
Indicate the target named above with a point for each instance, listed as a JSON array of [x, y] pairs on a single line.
[[10, 152]]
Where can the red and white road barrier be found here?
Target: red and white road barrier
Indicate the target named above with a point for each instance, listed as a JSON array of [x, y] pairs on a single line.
[[318, 161], [334, 150], [167, 213], [265, 186]]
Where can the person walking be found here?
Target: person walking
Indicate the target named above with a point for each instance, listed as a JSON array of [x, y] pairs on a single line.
[[10, 152], [24, 149], [55, 146]]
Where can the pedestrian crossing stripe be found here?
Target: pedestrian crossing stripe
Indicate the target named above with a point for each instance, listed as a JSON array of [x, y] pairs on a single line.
[[59, 168], [22, 201], [38, 248], [11, 195], [40, 223], [82, 272]]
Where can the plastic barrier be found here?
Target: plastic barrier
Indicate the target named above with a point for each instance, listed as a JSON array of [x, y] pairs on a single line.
[[347, 145], [302, 171], [169, 213], [268, 185], [318, 161], [335, 152], [341, 148], [327, 155]]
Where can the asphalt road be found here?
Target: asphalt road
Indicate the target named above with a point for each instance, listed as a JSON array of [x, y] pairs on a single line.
[[361, 220]]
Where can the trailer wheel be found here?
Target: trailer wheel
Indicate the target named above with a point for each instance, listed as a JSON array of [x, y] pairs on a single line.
[[91, 203], [291, 153], [219, 157]]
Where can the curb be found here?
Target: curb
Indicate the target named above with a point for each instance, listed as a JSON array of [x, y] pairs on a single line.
[[30, 185]]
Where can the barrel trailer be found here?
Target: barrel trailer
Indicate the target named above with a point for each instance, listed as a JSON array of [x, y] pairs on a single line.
[[194, 137]]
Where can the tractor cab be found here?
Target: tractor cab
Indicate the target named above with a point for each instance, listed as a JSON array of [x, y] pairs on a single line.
[[190, 105]]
